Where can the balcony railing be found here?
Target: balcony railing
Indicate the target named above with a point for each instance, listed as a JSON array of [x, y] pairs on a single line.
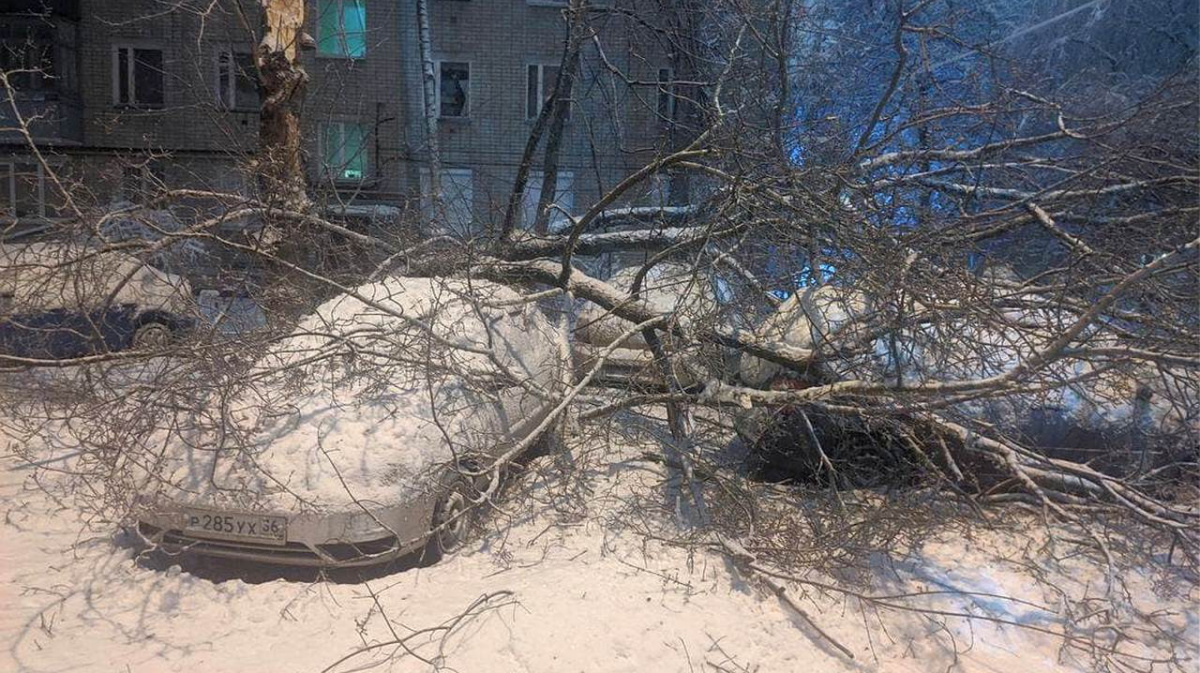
[[49, 121], [38, 51], [69, 9]]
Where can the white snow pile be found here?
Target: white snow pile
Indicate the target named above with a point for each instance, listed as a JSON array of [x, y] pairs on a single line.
[[366, 395], [536, 597]]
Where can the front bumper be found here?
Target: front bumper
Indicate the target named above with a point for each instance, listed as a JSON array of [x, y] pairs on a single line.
[[326, 539]]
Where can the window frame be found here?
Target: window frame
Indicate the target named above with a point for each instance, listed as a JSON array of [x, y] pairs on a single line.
[[338, 176], [345, 54], [529, 206], [658, 190], [541, 88], [8, 170], [664, 91], [237, 106], [131, 73], [27, 40], [437, 65], [426, 202], [149, 178], [10, 164]]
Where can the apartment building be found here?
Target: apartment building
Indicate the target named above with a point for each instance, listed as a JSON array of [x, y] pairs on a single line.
[[121, 97]]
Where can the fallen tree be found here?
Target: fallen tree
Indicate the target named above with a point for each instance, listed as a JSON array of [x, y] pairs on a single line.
[[916, 265]]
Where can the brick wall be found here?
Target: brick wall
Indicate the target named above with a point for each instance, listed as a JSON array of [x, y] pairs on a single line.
[[611, 131]]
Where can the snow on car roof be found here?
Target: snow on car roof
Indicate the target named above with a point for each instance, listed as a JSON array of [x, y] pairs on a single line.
[[364, 397], [48, 275], [669, 287]]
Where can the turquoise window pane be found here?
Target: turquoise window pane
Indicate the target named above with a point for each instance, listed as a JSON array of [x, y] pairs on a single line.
[[331, 144], [354, 25], [329, 31], [355, 152]]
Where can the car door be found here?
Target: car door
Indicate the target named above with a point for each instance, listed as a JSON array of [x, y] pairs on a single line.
[[52, 295], [30, 314]]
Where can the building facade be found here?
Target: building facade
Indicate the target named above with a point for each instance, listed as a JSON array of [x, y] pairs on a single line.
[[121, 98]]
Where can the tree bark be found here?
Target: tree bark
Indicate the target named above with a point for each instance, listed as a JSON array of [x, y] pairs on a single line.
[[429, 87], [283, 80], [561, 101]]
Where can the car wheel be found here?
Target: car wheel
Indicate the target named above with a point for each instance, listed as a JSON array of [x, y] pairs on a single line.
[[453, 519], [152, 336]]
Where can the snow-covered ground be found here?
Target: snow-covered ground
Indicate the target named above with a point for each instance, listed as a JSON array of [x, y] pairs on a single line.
[[539, 595]]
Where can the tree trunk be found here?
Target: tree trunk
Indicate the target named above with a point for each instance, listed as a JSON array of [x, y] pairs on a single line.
[[283, 80], [429, 85], [562, 106]]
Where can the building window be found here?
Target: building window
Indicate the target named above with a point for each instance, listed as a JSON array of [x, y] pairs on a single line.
[[25, 193], [457, 199], [27, 55], [139, 182], [344, 147], [658, 190], [564, 197], [237, 81], [539, 84], [666, 94], [38, 56], [138, 78], [454, 89], [342, 28]]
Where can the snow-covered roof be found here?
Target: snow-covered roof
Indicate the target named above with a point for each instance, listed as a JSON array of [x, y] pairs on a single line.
[[669, 287]]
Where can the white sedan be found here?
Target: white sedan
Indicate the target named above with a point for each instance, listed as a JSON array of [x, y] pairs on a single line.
[[1074, 409], [364, 434]]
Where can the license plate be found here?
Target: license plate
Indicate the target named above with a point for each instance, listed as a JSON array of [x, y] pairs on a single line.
[[234, 526]]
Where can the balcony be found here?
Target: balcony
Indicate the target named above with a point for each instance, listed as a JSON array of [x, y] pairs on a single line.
[[68, 9], [53, 122], [39, 58]]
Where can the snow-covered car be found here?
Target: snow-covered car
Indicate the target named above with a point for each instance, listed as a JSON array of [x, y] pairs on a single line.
[[1077, 409], [364, 434], [670, 288], [59, 300]]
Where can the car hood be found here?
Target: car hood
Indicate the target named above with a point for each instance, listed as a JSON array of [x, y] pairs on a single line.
[[328, 450]]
